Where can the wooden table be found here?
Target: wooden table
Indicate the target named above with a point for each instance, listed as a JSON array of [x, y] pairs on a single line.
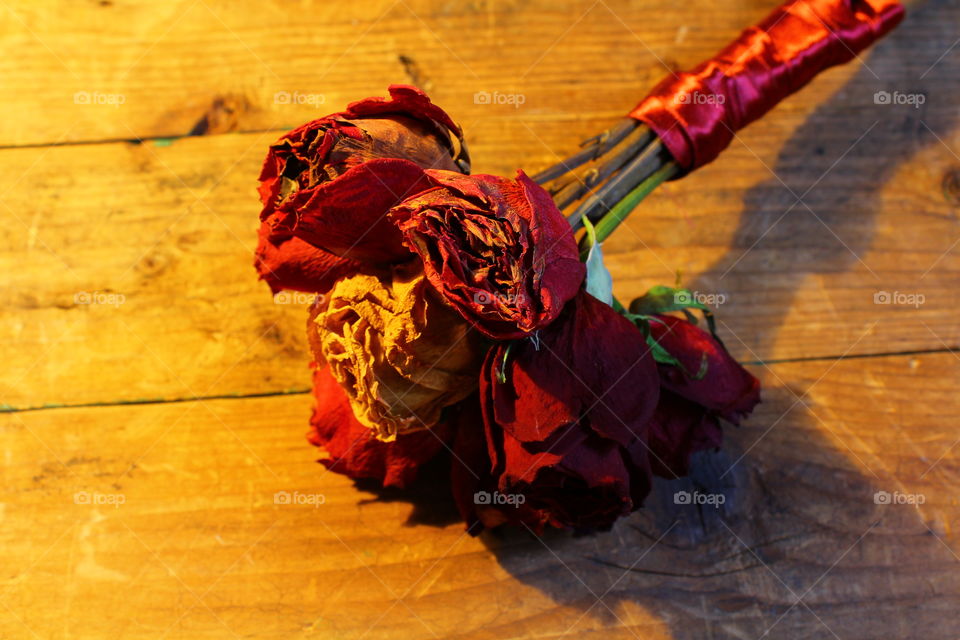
[[155, 397]]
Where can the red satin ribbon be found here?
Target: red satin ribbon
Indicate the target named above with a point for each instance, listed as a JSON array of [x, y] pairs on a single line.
[[696, 113]]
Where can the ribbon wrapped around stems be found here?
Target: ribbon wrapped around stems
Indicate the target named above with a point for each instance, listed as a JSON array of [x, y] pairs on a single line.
[[697, 113]]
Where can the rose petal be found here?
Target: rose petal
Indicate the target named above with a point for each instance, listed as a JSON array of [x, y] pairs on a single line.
[[726, 388], [471, 478], [347, 216], [498, 251], [353, 451], [591, 364], [287, 262], [578, 479], [679, 429], [404, 99], [399, 353]]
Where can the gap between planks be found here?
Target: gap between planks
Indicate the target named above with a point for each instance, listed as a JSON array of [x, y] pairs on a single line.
[[306, 390]]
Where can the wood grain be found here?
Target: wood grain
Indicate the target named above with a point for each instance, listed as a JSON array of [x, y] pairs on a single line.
[[198, 548], [172, 229], [179, 64], [131, 137]]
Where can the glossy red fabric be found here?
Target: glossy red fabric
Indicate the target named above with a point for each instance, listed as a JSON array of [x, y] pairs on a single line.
[[696, 113]]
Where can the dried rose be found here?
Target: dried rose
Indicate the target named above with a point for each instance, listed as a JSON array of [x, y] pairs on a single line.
[[475, 489], [726, 388], [707, 385], [330, 181], [352, 449], [284, 261], [398, 352], [498, 251], [566, 416]]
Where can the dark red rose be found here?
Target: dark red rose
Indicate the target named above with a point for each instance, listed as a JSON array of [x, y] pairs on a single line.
[[726, 388], [353, 450], [566, 416], [330, 181], [471, 481], [679, 429], [687, 416], [499, 251]]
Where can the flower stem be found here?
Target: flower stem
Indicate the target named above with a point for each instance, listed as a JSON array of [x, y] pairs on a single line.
[[576, 184], [628, 203], [591, 149], [643, 165]]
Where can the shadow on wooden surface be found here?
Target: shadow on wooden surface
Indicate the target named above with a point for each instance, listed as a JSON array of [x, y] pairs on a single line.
[[810, 534], [798, 549], [804, 538], [816, 217]]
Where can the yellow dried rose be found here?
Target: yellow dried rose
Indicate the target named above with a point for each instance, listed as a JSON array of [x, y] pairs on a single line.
[[399, 353]]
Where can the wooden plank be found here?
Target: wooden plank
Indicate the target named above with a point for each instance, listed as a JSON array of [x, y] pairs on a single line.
[[142, 275], [171, 228], [120, 70], [160, 521]]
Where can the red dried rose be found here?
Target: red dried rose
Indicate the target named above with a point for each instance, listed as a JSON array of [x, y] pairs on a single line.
[[726, 388], [566, 416], [475, 489], [498, 251], [330, 182], [284, 261], [353, 450], [687, 416]]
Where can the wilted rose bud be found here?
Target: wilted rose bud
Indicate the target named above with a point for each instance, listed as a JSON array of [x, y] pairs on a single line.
[[566, 418], [330, 182], [498, 251], [397, 351], [707, 386]]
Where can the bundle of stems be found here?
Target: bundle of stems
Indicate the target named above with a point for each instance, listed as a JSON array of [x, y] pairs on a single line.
[[610, 174]]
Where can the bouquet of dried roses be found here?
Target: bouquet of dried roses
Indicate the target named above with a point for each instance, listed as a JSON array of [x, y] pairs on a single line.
[[459, 315]]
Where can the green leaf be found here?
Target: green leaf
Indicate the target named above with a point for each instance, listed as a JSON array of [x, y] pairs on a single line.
[[599, 280], [660, 354], [662, 299]]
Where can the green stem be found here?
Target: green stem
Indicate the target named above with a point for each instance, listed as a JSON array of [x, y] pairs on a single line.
[[622, 209]]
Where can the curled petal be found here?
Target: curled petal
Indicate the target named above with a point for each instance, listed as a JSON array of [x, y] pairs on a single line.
[[498, 251], [285, 261], [726, 388], [351, 448], [399, 353], [404, 98], [347, 216]]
